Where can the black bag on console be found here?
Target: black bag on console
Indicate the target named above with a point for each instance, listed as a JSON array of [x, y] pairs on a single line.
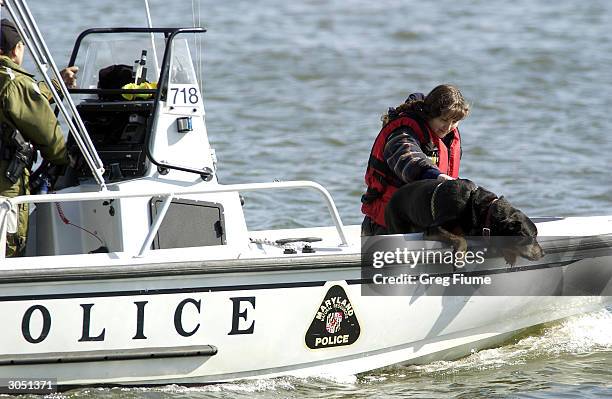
[[114, 77]]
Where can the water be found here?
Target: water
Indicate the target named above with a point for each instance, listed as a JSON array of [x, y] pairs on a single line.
[[294, 90]]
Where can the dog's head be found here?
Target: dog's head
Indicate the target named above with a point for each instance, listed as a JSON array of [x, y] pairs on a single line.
[[518, 233]]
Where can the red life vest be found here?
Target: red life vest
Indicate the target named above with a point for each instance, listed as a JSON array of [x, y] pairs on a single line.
[[382, 182]]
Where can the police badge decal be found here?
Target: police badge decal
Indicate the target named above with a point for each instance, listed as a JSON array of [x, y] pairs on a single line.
[[335, 323]]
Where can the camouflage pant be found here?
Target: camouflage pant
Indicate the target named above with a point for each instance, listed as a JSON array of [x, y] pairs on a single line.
[[16, 242]]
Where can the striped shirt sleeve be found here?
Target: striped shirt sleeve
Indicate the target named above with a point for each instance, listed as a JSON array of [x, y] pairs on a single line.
[[405, 157]]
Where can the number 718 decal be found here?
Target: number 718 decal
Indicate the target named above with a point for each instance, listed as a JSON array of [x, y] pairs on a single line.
[[183, 95]]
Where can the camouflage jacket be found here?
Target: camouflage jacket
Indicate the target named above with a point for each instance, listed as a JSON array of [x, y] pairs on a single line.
[[24, 105]]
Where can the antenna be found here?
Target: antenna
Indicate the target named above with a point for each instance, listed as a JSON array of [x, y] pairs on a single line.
[[150, 22], [196, 6]]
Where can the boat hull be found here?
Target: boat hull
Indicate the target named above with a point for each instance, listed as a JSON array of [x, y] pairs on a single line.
[[196, 323]]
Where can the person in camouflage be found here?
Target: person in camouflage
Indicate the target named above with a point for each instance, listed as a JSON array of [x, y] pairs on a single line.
[[25, 108]]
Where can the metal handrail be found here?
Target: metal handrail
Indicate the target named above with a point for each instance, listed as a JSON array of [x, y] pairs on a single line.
[[11, 203]]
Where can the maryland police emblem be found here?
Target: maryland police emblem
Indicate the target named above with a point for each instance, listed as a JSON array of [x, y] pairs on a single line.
[[335, 322]]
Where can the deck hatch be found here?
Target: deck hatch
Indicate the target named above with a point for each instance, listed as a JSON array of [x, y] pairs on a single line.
[[189, 223]]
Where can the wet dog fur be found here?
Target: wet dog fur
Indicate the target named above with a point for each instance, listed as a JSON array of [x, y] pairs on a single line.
[[454, 209]]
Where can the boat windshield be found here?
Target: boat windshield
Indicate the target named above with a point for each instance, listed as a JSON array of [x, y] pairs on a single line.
[[111, 60]]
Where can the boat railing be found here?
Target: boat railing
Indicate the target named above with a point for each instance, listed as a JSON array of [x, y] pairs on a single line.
[[8, 204]]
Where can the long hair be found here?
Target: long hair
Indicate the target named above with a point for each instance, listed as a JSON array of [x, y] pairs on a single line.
[[444, 100]]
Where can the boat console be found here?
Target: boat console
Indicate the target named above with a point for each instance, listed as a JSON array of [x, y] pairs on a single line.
[[116, 99], [118, 130], [126, 74]]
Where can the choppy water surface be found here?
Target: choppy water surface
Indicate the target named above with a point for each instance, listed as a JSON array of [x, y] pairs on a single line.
[[294, 90]]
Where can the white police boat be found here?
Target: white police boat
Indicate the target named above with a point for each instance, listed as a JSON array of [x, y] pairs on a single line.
[[140, 268]]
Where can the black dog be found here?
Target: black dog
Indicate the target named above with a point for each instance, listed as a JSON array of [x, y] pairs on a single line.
[[453, 209]]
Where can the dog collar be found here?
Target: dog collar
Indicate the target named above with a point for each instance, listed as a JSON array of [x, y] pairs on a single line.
[[486, 230], [433, 197]]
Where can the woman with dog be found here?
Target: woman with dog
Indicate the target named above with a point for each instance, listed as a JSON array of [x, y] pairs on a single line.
[[419, 140]]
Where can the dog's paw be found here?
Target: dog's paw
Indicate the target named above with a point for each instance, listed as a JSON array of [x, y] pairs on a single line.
[[510, 257], [460, 245]]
